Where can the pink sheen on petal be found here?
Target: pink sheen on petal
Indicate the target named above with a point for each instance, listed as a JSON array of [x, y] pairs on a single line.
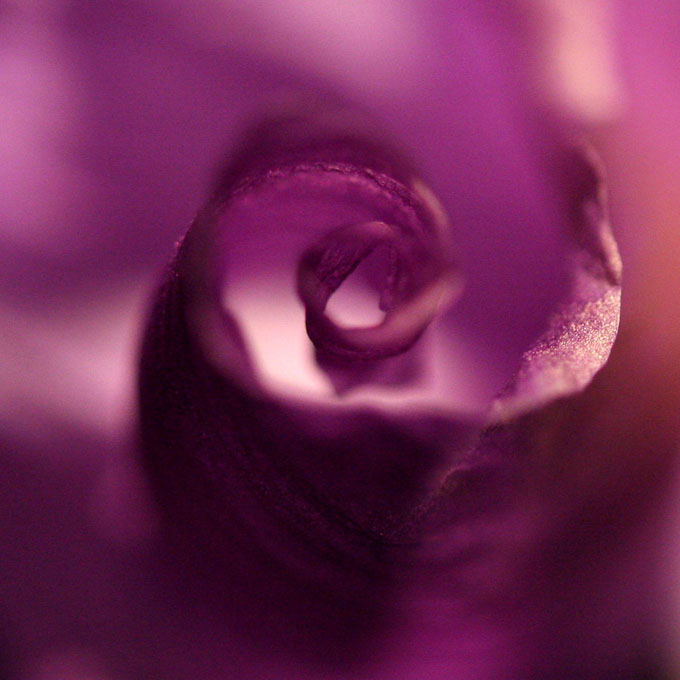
[[582, 330]]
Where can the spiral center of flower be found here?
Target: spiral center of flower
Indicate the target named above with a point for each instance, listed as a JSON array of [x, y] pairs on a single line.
[[358, 300], [418, 281]]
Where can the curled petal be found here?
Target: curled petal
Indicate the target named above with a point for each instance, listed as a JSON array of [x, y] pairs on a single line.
[[418, 283], [281, 498], [582, 329], [518, 508], [564, 359], [313, 517]]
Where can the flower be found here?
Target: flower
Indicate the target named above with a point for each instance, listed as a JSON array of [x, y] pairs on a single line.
[[524, 564], [317, 514]]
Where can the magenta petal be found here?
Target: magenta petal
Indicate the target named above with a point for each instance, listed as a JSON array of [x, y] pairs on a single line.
[[582, 329], [539, 496], [559, 365], [312, 520], [294, 506]]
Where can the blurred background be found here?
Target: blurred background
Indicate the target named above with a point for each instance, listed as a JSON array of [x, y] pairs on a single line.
[[114, 119]]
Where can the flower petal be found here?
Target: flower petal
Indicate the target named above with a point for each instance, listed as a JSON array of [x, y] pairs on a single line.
[[335, 507]]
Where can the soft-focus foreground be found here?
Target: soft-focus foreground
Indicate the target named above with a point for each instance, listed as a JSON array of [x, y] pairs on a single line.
[[385, 426]]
